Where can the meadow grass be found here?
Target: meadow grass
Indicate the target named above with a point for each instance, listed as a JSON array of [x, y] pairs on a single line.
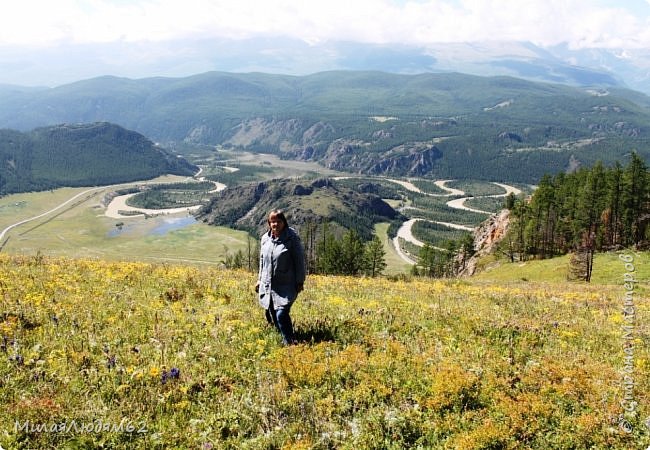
[[608, 268], [181, 356]]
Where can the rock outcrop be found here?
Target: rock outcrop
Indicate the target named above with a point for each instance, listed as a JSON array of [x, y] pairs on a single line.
[[486, 238]]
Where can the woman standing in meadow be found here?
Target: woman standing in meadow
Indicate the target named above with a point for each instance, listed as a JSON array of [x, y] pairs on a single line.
[[282, 273]]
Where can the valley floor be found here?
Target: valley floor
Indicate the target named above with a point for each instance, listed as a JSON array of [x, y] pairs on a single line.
[[118, 209]]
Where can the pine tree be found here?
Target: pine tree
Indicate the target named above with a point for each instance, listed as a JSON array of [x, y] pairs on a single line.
[[465, 250], [545, 213], [311, 228], [509, 203], [635, 200], [427, 260], [583, 212], [352, 253], [252, 252], [345, 256], [375, 261], [329, 254], [611, 217], [521, 212], [590, 205]]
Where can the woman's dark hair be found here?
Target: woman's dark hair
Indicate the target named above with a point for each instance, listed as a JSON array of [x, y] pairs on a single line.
[[280, 215]]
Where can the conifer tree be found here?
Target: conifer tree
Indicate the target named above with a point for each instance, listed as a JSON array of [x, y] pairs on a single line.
[[635, 200], [352, 253], [520, 212], [375, 261], [590, 205], [346, 256], [311, 228], [329, 254], [611, 216], [427, 260]]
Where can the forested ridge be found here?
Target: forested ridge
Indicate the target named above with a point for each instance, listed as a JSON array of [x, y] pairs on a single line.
[[592, 209], [81, 155]]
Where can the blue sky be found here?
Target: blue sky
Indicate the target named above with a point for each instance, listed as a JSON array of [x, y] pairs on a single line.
[[580, 23]]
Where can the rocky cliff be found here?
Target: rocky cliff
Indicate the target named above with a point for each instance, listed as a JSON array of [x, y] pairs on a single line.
[[300, 139], [486, 237]]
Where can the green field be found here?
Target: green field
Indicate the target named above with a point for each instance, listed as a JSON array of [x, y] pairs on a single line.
[[131, 355], [82, 230]]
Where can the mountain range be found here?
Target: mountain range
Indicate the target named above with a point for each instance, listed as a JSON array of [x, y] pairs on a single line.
[[52, 66], [447, 125]]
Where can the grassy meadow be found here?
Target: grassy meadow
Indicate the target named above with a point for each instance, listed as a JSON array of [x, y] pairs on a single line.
[[394, 264], [100, 354], [608, 269]]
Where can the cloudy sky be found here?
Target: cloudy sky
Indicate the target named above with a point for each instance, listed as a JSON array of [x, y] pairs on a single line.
[[30, 27]]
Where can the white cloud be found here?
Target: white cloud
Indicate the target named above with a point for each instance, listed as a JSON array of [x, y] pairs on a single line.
[[543, 22]]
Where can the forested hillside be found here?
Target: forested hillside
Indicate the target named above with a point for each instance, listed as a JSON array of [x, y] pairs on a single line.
[[440, 125], [589, 210], [81, 155]]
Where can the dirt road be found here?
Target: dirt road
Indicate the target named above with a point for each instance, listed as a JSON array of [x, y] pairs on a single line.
[[56, 208]]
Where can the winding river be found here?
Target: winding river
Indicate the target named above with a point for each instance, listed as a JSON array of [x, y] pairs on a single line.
[[119, 204], [405, 232]]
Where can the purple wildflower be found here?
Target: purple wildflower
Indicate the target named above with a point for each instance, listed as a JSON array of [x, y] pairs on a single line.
[[173, 374], [110, 363]]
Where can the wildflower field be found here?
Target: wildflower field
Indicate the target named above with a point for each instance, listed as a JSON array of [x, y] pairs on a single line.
[[99, 354]]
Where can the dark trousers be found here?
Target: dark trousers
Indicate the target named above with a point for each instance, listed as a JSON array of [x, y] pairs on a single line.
[[282, 321]]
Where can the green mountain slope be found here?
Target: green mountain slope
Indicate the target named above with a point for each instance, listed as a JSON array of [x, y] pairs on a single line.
[[81, 155], [440, 125]]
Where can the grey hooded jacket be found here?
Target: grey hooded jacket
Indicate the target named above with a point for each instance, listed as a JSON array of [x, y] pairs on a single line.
[[282, 268]]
